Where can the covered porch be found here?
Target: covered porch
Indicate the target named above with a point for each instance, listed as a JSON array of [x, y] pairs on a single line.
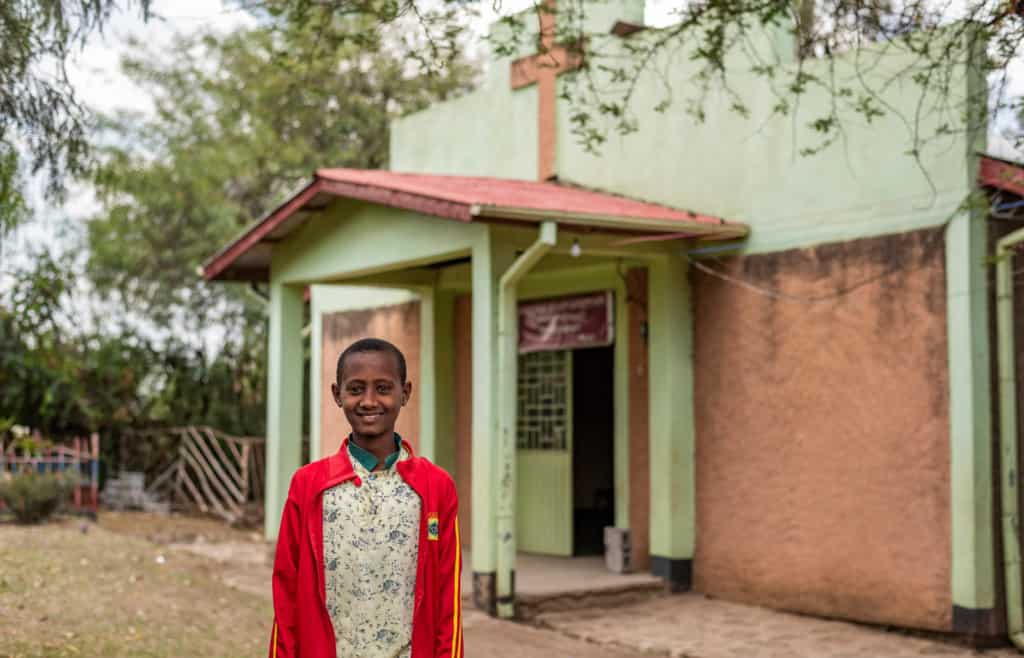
[[493, 243]]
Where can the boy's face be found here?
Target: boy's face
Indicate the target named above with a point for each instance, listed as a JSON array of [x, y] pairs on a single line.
[[371, 393]]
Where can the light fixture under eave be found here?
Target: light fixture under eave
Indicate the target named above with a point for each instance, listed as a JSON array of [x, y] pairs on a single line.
[[575, 250]]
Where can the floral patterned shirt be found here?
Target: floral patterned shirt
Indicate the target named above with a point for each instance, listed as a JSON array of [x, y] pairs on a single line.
[[371, 545]]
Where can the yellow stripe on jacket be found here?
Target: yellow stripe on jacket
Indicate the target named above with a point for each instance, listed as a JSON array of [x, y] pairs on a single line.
[[456, 622]]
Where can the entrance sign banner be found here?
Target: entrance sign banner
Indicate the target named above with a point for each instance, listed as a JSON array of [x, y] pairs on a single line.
[[566, 323]]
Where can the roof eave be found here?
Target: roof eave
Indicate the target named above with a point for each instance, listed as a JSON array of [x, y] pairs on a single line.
[[701, 226], [216, 266], [1001, 174]]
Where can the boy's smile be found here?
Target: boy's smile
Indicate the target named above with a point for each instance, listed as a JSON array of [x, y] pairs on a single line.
[[371, 394]]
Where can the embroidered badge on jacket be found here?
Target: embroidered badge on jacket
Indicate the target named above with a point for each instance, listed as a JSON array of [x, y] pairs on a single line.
[[433, 527]]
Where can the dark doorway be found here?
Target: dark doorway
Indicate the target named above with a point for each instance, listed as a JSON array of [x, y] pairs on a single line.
[[593, 447]]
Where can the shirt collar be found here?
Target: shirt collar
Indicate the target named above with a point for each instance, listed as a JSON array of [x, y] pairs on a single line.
[[366, 459]]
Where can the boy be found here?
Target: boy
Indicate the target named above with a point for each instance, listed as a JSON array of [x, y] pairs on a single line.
[[368, 560]]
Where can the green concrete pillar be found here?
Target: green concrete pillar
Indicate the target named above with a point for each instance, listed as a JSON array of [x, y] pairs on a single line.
[[426, 388], [972, 528], [444, 380], [437, 376], [970, 426], [672, 429], [284, 400], [490, 260], [316, 349]]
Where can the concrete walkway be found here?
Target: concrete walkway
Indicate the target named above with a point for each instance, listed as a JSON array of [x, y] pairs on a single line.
[[486, 637], [544, 575], [692, 626]]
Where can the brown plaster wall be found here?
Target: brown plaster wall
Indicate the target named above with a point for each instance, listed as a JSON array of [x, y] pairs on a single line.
[[639, 436], [822, 432], [463, 336], [399, 324]]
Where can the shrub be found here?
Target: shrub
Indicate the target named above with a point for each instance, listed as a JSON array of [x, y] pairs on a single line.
[[32, 497]]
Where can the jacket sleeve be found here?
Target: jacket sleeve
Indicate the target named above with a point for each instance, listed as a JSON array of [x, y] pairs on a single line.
[[285, 578], [449, 623]]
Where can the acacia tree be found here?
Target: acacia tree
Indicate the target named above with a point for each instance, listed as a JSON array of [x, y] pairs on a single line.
[[40, 117], [240, 120]]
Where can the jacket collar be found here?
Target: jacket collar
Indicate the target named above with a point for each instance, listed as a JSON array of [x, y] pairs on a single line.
[[339, 465]]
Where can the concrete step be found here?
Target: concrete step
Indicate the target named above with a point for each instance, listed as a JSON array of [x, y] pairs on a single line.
[[531, 606]]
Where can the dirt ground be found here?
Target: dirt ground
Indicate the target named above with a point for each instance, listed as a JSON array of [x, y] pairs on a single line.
[[72, 588], [138, 585], [147, 586], [176, 528]]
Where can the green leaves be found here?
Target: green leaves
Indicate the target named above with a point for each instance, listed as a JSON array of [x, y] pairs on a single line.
[[33, 497], [38, 108], [13, 208], [241, 120], [65, 377]]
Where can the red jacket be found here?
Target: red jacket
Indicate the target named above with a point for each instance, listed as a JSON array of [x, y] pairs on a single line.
[[302, 627]]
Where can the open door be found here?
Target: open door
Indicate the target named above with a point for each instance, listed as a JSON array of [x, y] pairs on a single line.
[[593, 447], [544, 498]]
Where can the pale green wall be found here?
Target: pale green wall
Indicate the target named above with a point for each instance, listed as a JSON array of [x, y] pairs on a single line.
[[750, 170], [741, 169], [333, 299], [490, 132], [352, 238], [600, 16]]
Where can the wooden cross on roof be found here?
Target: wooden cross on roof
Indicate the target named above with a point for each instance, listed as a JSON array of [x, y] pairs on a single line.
[[542, 68]]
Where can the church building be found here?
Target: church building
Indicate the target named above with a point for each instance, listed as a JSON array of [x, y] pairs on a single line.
[[763, 376]]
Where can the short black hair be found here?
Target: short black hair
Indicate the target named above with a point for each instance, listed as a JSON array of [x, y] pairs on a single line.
[[372, 345]]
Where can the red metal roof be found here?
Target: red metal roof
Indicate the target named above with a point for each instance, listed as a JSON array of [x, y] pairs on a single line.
[[1001, 174], [468, 191], [462, 198]]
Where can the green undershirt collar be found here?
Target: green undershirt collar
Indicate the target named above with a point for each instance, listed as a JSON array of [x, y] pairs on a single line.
[[366, 458]]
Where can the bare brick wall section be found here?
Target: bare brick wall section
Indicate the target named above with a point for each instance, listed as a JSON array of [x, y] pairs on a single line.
[[464, 414], [639, 421], [822, 432], [399, 324]]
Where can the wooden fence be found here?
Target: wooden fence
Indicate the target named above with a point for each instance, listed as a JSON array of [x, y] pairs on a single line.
[[214, 472], [81, 455]]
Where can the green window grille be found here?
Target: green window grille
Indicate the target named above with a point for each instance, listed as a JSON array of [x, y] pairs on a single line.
[[544, 389]]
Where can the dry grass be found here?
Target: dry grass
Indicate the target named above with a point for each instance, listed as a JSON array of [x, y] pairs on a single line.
[[176, 528], [93, 593]]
